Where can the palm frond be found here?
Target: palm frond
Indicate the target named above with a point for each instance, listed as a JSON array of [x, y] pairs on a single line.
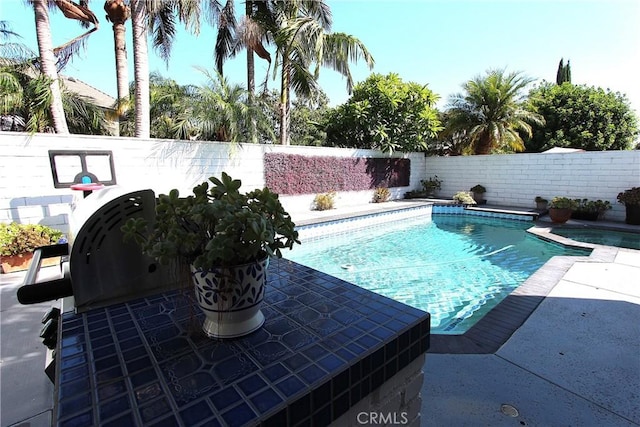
[[162, 24], [226, 35]]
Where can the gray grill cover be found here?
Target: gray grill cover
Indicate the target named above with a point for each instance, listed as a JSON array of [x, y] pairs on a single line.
[[104, 269]]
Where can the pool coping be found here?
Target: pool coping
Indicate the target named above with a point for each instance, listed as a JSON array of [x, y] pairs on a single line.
[[499, 324]]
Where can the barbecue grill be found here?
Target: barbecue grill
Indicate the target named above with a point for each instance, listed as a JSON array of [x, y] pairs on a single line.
[[98, 267]]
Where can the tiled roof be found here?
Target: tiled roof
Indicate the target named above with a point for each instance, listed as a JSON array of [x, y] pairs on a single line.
[[98, 97]]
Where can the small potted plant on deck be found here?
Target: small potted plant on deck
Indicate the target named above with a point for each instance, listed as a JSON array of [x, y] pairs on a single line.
[[560, 209], [631, 200], [541, 203], [478, 194], [226, 238], [431, 185]]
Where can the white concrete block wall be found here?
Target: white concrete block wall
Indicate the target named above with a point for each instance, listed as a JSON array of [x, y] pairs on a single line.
[[27, 192], [516, 179]]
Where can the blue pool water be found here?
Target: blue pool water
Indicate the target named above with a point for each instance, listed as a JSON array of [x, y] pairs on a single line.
[[456, 267], [620, 239]]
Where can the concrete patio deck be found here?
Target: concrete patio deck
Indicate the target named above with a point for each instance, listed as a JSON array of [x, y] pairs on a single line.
[[574, 361]]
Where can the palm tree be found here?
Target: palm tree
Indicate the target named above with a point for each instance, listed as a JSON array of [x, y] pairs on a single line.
[[140, 68], [219, 111], [158, 17], [48, 64], [303, 41], [12, 59], [489, 116], [118, 12], [167, 100]]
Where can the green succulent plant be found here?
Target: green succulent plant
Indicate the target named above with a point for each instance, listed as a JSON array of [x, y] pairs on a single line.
[[215, 226], [563, 203]]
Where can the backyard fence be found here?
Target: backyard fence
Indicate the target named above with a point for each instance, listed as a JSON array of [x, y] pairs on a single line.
[[28, 195], [516, 179]]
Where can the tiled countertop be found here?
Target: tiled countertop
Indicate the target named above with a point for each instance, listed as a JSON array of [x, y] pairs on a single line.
[[325, 345]]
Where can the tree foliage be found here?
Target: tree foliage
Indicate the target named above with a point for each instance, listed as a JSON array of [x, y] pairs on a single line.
[[385, 113], [563, 75], [25, 95], [220, 111], [578, 116], [489, 116]]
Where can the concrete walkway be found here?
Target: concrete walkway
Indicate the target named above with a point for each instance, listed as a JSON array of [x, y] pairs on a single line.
[[26, 394], [574, 362]]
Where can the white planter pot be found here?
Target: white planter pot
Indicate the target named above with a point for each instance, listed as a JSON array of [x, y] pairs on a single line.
[[231, 298]]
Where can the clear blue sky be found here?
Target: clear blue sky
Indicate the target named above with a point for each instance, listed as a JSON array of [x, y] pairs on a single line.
[[442, 43]]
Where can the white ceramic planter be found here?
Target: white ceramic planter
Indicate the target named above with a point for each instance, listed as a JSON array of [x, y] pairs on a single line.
[[231, 298]]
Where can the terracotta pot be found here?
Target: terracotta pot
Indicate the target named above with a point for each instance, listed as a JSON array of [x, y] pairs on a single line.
[[633, 214], [231, 298], [21, 262], [560, 215]]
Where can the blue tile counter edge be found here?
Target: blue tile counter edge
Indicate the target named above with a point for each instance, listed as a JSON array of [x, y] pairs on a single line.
[[325, 345]]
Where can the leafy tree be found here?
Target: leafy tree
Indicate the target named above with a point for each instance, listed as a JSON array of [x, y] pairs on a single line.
[[387, 114], [219, 111], [307, 115], [489, 116], [167, 100], [578, 116]]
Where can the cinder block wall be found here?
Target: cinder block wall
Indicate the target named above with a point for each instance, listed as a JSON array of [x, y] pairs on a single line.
[[516, 179], [396, 402], [27, 193]]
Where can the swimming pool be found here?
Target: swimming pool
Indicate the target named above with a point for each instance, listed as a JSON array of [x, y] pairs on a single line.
[[598, 236], [456, 267]]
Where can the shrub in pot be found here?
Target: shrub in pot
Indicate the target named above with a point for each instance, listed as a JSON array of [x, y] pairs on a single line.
[[631, 200], [478, 193], [18, 241], [226, 238], [431, 185], [560, 209], [464, 198], [590, 210]]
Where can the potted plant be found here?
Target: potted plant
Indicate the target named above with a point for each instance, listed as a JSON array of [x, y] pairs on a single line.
[[226, 238], [560, 209], [478, 194], [541, 203], [18, 241], [431, 185], [590, 210], [464, 198], [631, 200]]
